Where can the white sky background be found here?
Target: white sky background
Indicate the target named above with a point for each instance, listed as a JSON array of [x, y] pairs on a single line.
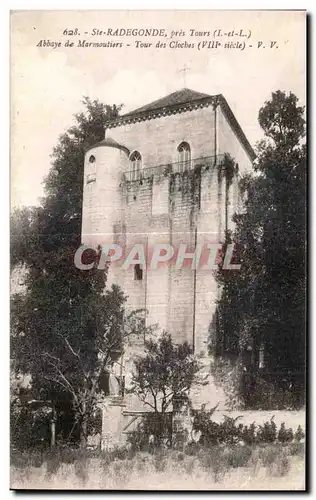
[[47, 85]]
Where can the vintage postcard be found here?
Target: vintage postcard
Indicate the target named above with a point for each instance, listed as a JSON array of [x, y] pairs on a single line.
[[158, 250]]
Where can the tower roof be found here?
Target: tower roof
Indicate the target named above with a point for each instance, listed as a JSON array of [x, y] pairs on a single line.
[[182, 96], [110, 143], [178, 102]]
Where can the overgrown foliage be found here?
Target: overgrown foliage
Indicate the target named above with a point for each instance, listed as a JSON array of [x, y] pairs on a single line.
[[66, 331], [152, 431], [207, 468], [231, 431], [164, 376], [262, 306], [165, 373]]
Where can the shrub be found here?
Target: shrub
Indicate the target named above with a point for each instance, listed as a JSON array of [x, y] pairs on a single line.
[[285, 435], [213, 433], [29, 428], [53, 463], [249, 434], [230, 432], [299, 434], [94, 425], [26, 460], [264, 391], [267, 433], [153, 425]]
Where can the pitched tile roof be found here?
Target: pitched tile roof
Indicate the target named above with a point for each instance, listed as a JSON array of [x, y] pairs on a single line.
[[178, 102], [179, 97], [108, 142]]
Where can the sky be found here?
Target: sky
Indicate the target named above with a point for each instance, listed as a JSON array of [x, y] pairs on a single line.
[[47, 84]]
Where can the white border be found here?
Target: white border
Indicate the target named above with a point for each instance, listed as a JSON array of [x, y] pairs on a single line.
[[4, 195]]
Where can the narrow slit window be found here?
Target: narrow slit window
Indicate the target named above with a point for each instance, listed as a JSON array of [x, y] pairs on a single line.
[[261, 357], [91, 169], [138, 272]]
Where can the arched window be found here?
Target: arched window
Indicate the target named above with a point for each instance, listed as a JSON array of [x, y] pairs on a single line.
[[184, 156], [91, 169], [136, 165]]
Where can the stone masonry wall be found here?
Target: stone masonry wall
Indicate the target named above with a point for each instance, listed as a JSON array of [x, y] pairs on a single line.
[[157, 139], [166, 292], [166, 208]]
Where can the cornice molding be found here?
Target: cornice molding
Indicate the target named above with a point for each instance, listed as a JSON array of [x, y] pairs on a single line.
[[235, 126], [159, 112], [204, 102]]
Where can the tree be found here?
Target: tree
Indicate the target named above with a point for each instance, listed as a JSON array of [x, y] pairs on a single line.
[[263, 305], [66, 331], [163, 376]]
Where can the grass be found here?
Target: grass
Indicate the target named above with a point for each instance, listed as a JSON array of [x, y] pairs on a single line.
[[236, 467]]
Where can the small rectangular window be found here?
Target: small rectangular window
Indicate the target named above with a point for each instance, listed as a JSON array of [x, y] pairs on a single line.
[[91, 177], [138, 272], [261, 357]]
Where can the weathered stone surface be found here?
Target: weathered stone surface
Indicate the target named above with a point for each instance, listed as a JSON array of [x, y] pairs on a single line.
[[166, 207]]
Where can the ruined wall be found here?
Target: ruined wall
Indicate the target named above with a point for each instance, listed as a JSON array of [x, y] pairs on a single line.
[[165, 291], [182, 300], [184, 204], [169, 208], [210, 226], [164, 210]]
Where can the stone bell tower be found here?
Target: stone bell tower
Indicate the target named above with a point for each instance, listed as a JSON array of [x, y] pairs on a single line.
[[157, 177]]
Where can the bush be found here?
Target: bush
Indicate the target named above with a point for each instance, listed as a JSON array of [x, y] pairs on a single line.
[[29, 428], [265, 391], [267, 433], [249, 434], [285, 435], [95, 422], [231, 432], [253, 389], [153, 430], [299, 434]]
